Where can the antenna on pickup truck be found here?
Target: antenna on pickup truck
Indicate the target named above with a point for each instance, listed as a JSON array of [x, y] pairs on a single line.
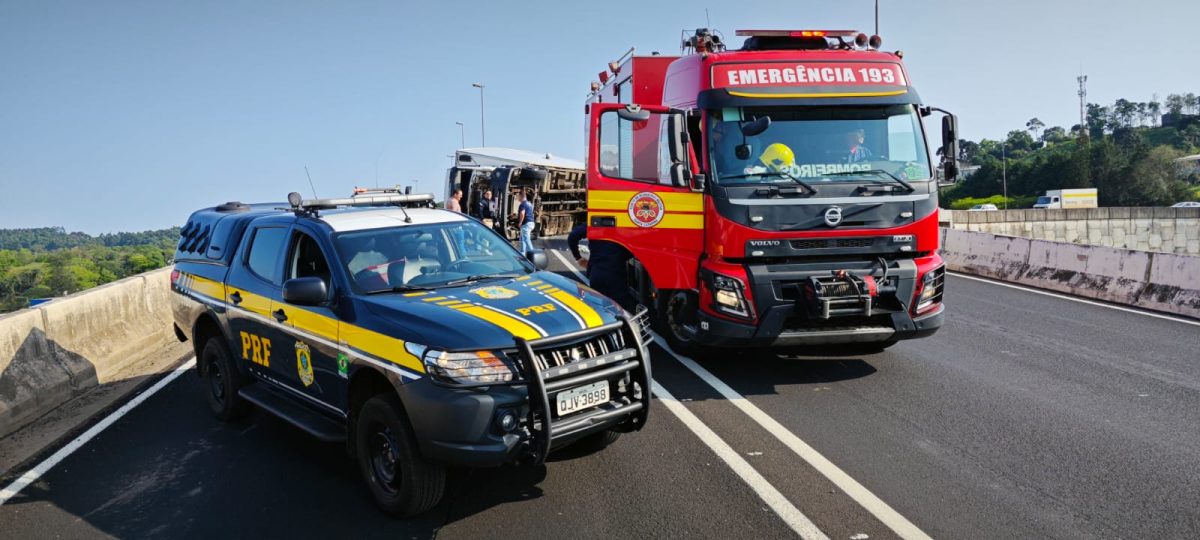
[[310, 182]]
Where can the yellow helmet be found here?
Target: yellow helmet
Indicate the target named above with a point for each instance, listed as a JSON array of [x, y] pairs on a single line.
[[777, 156]]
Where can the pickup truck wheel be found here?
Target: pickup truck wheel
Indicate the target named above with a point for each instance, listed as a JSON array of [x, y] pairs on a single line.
[[401, 481], [597, 441], [222, 381]]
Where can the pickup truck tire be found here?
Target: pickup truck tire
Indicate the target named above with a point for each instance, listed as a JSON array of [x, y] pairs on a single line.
[[402, 482], [222, 381], [597, 441]]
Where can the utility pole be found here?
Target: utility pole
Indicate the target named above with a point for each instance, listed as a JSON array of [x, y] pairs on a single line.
[[462, 132], [482, 131], [1082, 79]]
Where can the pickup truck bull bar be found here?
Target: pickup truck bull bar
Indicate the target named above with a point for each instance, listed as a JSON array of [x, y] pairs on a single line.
[[615, 352]]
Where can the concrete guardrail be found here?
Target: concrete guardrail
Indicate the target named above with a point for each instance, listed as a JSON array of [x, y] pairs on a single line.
[[56, 351], [1158, 281]]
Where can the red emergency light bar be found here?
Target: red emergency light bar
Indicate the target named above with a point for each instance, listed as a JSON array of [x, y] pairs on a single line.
[[798, 33]]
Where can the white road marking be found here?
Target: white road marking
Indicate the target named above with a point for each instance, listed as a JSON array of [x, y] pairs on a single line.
[[767, 492], [1074, 299], [42, 468], [873, 504], [774, 499]]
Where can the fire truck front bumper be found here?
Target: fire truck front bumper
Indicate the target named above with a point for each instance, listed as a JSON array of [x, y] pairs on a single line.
[[774, 330], [830, 303]]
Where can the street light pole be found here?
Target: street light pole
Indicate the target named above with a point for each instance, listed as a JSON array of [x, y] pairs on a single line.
[[482, 131], [462, 132], [1004, 170]]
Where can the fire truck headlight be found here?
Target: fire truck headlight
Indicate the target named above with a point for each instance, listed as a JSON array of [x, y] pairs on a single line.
[[728, 296], [930, 294]]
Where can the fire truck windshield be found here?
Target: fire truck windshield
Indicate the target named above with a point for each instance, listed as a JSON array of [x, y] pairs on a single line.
[[818, 145]]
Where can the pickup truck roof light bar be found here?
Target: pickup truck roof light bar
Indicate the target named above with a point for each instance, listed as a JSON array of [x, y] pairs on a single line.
[[311, 206]]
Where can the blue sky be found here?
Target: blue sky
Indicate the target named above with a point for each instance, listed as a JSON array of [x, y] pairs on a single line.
[[128, 115]]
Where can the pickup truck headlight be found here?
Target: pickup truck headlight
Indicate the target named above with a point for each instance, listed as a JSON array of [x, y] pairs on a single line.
[[477, 367]]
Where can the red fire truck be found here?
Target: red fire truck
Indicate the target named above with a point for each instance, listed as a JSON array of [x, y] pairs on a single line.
[[781, 194]]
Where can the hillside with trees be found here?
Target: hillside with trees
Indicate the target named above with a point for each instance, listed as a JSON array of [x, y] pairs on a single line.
[[48, 262], [1123, 150]]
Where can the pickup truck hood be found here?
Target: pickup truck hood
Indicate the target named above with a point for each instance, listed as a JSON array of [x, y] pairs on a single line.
[[488, 314]]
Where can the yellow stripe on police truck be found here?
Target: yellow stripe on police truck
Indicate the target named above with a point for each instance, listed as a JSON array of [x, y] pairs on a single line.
[[589, 315]]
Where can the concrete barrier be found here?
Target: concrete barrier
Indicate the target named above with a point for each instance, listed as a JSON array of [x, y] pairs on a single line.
[[997, 257], [1159, 281], [1174, 285], [1114, 275], [56, 351]]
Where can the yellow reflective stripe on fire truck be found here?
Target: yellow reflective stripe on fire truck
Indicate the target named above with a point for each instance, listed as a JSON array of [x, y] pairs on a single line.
[[590, 317], [829, 95], [672, 201], [669, 221]]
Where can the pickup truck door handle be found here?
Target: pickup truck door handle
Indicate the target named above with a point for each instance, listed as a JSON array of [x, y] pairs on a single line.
[[280, 315], [236, 297]]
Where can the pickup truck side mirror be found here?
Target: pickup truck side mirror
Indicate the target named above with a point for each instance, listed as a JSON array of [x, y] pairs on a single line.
[[538, 258], [305, 291]]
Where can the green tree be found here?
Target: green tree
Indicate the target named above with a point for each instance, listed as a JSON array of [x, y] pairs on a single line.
[[1054, 134], [1034, 126]]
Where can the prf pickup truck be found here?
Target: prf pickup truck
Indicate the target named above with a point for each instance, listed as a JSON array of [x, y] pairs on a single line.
[[417, 336]]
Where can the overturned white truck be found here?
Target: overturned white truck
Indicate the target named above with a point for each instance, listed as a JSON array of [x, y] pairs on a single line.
[[558, 187]]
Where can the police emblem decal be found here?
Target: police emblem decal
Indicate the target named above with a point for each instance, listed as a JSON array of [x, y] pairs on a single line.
[[304, 363], [495, 293], [646, 209]]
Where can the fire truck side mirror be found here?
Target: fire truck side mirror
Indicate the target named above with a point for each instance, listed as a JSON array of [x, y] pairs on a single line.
[[950, 148], [633, 113], [698, 181]]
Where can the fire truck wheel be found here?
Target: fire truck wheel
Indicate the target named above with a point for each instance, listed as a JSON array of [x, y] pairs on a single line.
[[675, 318]]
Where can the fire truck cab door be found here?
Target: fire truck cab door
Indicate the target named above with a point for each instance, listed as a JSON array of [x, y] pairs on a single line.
[[641, 192]]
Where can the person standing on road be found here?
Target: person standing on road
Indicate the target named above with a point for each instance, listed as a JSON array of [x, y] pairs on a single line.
[[604, 266], [485, 209], [452, 203], [525, 220]]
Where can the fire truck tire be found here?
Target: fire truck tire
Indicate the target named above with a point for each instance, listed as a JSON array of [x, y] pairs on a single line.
[[402, 482], [222, 381], [674, 312], [536, 175]]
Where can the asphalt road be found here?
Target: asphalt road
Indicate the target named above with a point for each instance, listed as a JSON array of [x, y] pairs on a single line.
[[1025, 416]]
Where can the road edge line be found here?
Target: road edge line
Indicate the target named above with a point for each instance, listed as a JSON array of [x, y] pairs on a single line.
[[782, 507], [32, 475]]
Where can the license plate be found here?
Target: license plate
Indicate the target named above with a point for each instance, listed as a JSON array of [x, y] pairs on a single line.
[[582, 397]]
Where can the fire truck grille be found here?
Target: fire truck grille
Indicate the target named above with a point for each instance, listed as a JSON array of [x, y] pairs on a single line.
[[827, 243]]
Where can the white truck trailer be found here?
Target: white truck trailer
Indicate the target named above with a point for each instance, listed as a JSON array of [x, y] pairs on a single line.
[[1068, 198]]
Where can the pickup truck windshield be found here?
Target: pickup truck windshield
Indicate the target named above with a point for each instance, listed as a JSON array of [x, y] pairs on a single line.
[[818, 145], [426, 256]]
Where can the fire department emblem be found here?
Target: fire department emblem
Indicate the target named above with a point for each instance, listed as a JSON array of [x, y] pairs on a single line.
[[646, 209], [494, 293], [304, 363]]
